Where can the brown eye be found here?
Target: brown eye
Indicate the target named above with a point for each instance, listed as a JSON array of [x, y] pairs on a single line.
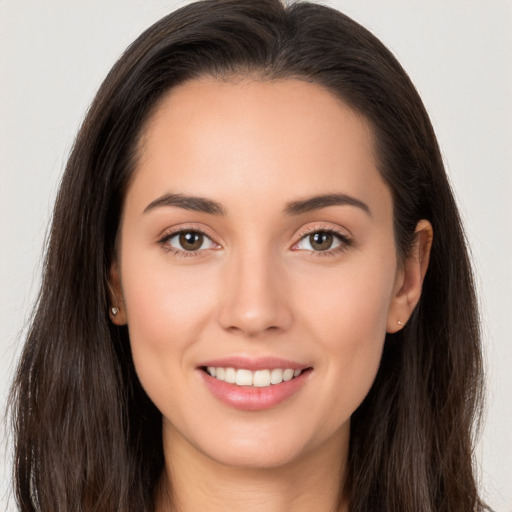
[[321, 240], [191, 240], [188, 242]]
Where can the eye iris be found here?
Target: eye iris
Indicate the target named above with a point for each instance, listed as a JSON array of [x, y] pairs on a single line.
[[191, 241], [321, 241]]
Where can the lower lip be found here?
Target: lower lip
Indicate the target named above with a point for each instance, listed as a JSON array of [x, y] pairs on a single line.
[[249, 398]]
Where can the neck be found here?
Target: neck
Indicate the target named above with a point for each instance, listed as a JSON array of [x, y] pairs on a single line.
[[193, 481]]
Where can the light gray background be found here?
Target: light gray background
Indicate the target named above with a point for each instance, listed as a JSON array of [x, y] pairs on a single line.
[[54, 54]]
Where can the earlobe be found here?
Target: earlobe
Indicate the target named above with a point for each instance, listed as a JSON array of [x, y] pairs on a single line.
[[409, 283], [117, 309]]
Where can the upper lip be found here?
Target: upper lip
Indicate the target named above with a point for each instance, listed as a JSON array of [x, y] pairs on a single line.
[[253, 363]]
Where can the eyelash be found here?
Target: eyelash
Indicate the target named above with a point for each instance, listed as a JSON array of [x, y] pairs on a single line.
[[182, 253], [345, 241]]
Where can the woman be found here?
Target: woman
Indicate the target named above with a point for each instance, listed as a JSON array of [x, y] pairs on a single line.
[[257, 292]]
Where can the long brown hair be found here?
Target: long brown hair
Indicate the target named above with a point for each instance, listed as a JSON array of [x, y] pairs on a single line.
[[87, 436]]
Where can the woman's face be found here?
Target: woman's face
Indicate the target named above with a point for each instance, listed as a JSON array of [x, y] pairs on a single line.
[[257, 240]]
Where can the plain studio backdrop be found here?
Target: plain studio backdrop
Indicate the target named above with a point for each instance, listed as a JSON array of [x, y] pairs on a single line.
[[54, 55]]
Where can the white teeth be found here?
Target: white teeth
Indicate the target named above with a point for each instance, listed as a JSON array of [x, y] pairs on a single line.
[[276, 376], [259, 378], [243, 378], [288, 374], [230, 375]]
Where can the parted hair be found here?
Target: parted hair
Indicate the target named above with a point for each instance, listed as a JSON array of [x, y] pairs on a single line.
[[87, 437]]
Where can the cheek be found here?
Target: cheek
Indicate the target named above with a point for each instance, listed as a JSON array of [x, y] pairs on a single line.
[[346, 317], [352, 334], [161, 300], [167, 309], [349, 305]]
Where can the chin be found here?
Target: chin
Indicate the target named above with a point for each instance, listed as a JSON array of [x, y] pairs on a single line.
[[256, 457], [273, 447]]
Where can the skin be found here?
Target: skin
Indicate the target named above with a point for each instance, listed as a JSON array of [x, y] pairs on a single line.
[[259, 288]]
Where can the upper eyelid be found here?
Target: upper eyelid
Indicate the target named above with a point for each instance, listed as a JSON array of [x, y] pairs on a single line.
[[170, 232], [343, 233], [344, 236], [167, 235]]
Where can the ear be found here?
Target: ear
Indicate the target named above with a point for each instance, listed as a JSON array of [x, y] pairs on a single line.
[[409, 279], [116, 309]]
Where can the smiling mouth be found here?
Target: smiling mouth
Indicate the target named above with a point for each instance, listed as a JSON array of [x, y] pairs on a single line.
[[248, 378]]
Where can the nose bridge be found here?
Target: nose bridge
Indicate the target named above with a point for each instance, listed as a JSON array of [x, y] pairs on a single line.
[[255, 299]]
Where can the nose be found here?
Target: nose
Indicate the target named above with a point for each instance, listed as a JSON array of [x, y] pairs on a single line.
[[255, 299]]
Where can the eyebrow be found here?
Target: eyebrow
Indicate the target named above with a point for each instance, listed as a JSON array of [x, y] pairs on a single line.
[[203, 205], [195, 204], [323, 201]]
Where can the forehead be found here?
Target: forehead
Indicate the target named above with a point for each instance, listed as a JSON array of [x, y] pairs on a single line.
[[262, 140]]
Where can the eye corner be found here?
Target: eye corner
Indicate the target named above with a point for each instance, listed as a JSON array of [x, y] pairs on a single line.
[[174, 241], [337, 240]]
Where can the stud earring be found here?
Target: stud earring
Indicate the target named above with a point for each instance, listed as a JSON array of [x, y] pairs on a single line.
[[114, 311], [400, 323]]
